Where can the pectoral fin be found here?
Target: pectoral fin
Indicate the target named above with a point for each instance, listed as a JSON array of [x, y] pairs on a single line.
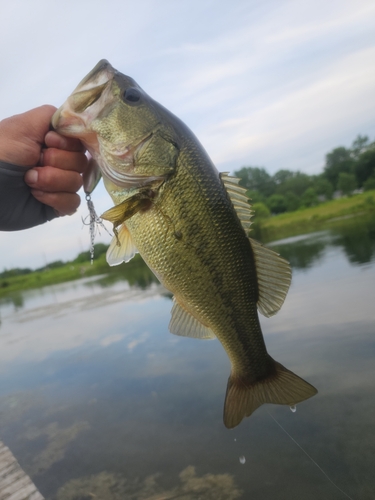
[[184, 324], [123, 211]]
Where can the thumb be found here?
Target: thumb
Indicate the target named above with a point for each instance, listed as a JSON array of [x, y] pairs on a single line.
[[36, 122], [22, 136]]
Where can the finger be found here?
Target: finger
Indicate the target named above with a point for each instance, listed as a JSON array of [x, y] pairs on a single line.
[[63, 203], [55, 140], [53, 180], [36, 122], [65, 160]]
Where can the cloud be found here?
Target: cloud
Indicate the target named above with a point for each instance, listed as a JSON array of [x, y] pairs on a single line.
[[111, 339], [139, 340], [96, 315], [337, 95]]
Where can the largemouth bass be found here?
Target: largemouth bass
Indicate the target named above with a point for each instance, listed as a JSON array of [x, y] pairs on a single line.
[[190, 224]]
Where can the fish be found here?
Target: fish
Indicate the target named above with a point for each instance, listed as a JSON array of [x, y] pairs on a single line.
[[191, 226]]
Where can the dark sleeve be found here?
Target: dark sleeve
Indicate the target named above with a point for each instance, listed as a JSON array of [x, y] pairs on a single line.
[[18, 207]]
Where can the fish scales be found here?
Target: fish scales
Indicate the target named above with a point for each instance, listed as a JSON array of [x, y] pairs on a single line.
[[211, 263], [189, 223]]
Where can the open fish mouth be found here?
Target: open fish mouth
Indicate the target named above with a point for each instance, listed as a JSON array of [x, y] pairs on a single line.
[[102, 73], [75, 115], [93, 96]]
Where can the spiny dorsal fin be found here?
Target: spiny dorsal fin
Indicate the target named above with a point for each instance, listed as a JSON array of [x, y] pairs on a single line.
[[184, 324], [240, 201], [274, 277], [122, 248]]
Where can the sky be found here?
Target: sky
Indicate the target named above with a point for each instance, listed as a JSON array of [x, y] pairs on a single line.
[[270, 83]]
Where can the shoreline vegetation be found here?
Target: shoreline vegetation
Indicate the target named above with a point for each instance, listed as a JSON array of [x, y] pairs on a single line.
[[312, 219], [265, 228], [285, 204]]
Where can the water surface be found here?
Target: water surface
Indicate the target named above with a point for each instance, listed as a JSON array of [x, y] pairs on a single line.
[[98, 398]]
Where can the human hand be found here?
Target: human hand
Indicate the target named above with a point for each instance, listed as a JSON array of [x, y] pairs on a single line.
[[58, 161]]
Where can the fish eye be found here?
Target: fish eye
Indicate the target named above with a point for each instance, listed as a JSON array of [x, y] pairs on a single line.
[[131, 95]]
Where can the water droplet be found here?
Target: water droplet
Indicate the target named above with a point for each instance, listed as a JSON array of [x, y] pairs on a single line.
[[242, 460], [293, 408], [235, 439]]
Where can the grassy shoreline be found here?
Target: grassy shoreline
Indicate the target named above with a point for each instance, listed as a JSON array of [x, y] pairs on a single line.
[[266, 230], [38, 279], [314, 218]]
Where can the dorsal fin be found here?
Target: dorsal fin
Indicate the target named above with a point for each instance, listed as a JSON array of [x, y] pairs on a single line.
[[274, 277], [240, 201], [184, 324]]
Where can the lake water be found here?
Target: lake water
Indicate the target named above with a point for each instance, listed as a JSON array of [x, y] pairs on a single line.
[[99, 400]]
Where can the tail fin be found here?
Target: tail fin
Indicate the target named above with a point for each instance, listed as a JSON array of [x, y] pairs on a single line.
[[283, 387]]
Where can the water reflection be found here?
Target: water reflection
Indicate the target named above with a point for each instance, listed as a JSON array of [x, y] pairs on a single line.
[[358, 239], [355, 236], [136, 273], [16, 299], [97, 399]]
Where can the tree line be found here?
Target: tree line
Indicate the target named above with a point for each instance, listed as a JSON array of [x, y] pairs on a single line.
[[345, 170]]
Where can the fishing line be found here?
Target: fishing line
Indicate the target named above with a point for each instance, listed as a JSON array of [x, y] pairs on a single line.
[[310, 457]]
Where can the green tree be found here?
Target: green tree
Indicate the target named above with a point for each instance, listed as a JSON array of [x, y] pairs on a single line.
[[309, 198], [322, 186], [283, 175], [346, 183], [55, 264], [277, 203], [297, 184], [256, 179], [369, 184], [261, 211], [9, 273], [338, 160], [293, 202], [255, 196], [365, 166], [360, 144]]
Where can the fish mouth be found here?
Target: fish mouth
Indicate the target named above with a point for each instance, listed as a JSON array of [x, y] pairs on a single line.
[[102, 73], [75, 115]]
